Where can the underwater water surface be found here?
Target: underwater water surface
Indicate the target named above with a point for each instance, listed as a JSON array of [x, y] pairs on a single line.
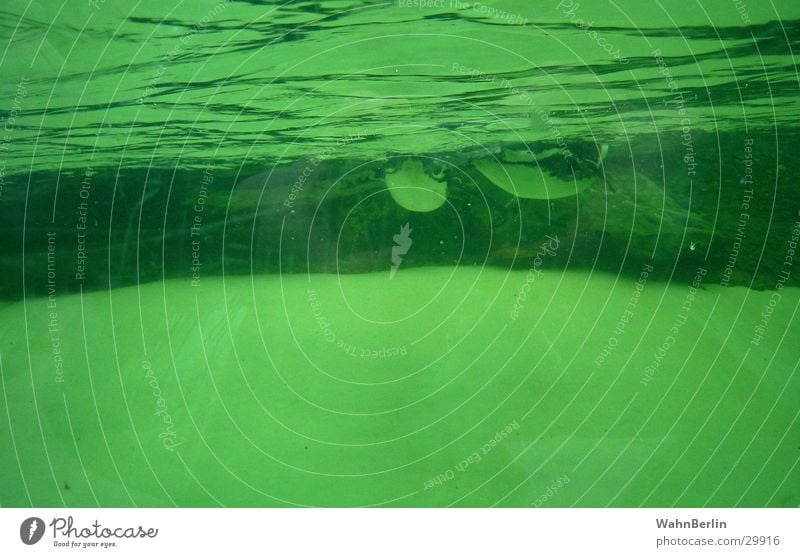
[[411, 253]]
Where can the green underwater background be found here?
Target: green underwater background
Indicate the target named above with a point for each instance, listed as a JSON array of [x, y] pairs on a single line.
[[413, 253]]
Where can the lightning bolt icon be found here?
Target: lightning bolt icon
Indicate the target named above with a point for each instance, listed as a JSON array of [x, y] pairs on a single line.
[[34, 527]]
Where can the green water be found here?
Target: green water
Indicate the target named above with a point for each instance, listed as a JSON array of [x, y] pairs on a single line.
[[346, 253]]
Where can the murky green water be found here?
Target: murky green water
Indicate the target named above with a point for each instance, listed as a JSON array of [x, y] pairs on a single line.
[[433, 253]]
